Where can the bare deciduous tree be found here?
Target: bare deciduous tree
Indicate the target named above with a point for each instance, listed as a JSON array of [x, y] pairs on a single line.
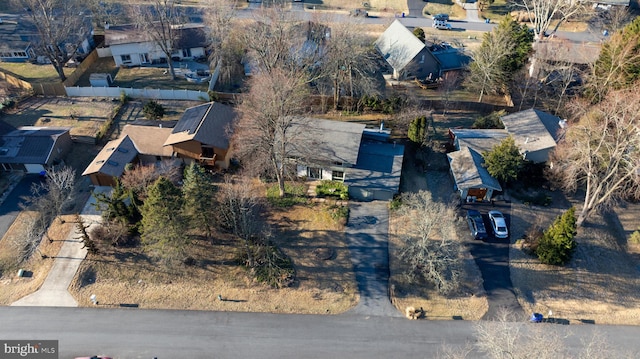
[[432, 250], [486, 73], [57, 191], [543, 13], [601, 152], [61, 27], [267, 133], [239, 211], [160, 20]]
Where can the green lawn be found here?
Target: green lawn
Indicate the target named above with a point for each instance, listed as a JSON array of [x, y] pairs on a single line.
[[153, 77], [34, 73]]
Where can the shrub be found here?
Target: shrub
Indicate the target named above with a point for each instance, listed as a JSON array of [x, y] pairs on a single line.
[[635, 237], [339, 213], [332, 189], [395, 203], [153, 110], [492, 120], [274, 267], [557, 243], [417, 129], [124, 98]]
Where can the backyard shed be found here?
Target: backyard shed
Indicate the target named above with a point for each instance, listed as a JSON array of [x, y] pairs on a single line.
[[100, 80]]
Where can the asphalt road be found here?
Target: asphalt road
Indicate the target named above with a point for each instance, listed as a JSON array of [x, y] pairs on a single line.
[[135, 333], [11, 206]]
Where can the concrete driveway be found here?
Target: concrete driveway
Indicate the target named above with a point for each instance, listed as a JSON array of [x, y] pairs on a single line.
[[492, 258], [368, 236]]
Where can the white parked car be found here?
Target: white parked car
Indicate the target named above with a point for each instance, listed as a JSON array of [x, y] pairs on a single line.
[[498, 224], [441, 25]]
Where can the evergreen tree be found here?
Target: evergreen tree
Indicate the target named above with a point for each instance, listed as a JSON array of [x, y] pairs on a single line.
[[522, 39], [198, 191], [557, 243], [163, 228], [504, 161], [417, 130], [419, 33]]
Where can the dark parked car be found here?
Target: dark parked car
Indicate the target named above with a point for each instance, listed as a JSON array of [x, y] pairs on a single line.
[[441, 17], [476, 225]]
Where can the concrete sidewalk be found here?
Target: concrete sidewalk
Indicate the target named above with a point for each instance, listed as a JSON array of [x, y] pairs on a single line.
[[54, 291]]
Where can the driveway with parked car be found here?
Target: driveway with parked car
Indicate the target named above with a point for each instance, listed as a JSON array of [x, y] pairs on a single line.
[[491, 254]]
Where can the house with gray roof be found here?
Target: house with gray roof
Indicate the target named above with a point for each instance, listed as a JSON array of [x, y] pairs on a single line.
[[19, 40], [131, 45], [203, 134], [33, 149], [471, 179], [348, 152], [408, 57], [535, 132]]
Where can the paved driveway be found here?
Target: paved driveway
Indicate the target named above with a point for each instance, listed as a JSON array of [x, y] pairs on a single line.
[[368, 236], [11, 206], [492, 257]]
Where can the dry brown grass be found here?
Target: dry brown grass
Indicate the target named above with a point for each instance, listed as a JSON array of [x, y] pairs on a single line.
[[600, 284], [12, 287], [389, 6], [127, 276], [469, 303], [88, 114]]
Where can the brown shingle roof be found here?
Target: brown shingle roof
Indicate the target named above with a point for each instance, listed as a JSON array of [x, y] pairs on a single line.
[[149, 140], [113, 158]]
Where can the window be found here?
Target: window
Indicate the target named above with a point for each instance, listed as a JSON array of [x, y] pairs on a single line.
[[144, 58], [314, 172], [186, 52], [126, 59], [207, 152], [337, 175]]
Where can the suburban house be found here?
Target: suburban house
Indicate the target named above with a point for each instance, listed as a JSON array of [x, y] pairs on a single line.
[[130, 45], [535, 132], [19, 40], [203, 134], [554, 57], [410, 58], [32, 149], [136, 144], [343, 151], [406, 54]]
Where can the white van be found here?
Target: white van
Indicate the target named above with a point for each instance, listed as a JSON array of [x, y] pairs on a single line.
[[441, 25]]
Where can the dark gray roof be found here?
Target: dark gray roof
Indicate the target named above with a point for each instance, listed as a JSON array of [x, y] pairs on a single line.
[[451, 59], [209, 124], [29, 145], [379, 166], [333, 141], [16, 33], [188, 35]]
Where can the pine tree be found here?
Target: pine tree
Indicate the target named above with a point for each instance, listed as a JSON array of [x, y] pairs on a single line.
[[419, 33], [504, 161], [557, 243], [163, 226], [417, 129], [198, 191]]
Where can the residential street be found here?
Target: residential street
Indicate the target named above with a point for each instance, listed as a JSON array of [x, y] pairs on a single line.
[[10, 208], [134, 333]]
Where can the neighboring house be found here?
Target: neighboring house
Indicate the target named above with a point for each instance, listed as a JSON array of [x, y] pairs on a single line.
[[554, 56], [344, 151], [411, 59], [137, 144], [535, 132], [131, 46], [471, 179], [202, 134], [19, 39], [407, 56], [33, 149]]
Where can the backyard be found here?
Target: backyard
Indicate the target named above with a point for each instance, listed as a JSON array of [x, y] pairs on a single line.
[[34, 73], [83, 115]]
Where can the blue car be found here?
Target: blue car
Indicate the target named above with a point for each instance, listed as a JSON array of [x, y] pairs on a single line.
[[476, 225]]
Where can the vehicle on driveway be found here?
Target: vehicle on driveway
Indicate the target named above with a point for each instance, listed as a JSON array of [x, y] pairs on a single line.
[[498, 224], [441, 25], [476, 225]]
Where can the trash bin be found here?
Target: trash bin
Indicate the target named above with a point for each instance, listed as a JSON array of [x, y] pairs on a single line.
[[402, 14], [487, 21]]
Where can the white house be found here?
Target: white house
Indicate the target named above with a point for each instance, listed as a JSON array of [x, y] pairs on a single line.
[[130, 45]]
